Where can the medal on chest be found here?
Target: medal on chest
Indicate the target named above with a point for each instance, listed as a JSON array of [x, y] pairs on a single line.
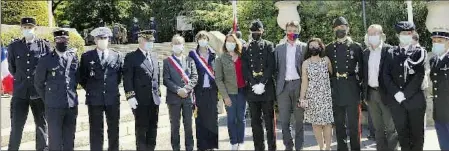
[[92, 73], [53, 72]]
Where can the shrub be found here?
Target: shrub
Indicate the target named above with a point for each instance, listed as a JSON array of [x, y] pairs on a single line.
[[13, 11], [14, 32]]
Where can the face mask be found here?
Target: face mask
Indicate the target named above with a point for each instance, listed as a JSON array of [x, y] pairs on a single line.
[[256, 36], [405, 39], [292, 36], [178, 48], [374, 40], [102, 44], [62, 46], [202, 43], [230, 46], [28, 33], [341, 33], [149, 46], [438, 49], [315, 51]]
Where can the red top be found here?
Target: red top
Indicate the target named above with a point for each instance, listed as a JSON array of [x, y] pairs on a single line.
[[239, 74]]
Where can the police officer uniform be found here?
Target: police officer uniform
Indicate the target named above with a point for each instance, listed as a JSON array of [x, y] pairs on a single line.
[[403, 72], [258, 65], [23, 57], [141, 82], [346, 58], [56, 83], [100, 76]]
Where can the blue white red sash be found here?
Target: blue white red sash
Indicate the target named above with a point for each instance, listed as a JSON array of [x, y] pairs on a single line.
[[203, 64], [179, 69]]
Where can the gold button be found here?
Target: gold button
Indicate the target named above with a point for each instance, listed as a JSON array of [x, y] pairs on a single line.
[[28, 62], [434, 81], [346, 67], [400, 64], [436, 96], [335, 56], [28, 69], [28, 77], [400, 87], [435, 74], [435, 89], [28, 55], [335, 61], [400, 76]]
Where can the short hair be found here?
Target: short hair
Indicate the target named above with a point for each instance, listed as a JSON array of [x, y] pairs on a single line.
[[320, 43], [238, 47], [178, 38], [415, 37], [292, 23], [202, 34], [377, 27]]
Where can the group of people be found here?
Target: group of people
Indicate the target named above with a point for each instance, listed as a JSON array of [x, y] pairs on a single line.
[[314, 83]]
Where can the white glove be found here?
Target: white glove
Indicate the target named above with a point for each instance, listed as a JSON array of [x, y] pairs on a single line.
[[259, 88], [182, 92], [132, 103], [399, 96]]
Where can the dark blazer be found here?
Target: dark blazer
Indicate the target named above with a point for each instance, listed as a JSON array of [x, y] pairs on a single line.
[[22, 60], [173, 80], [395, 81], [101, 81], [439, 70], [201, 72], [141, 78], [55, 81], [365, 69]]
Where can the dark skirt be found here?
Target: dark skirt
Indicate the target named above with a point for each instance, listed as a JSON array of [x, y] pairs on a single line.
[[207, 118]]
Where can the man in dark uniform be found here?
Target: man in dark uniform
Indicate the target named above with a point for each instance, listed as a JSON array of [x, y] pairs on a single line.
[[346, 58], [23, 56], [56, 83], [258, 66], [403, 74], [100, 75], [141, 83]]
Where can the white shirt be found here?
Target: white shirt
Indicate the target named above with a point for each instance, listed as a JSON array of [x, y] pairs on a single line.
[[106, 52], [206, 82], [373, 66], [147, 53], [291, 73]]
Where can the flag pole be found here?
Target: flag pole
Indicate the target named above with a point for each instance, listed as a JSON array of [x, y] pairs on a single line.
[[409, 10], [234, 15]]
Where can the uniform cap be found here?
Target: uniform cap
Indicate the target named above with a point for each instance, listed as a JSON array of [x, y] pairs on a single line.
[[436, 21], [340, 21], [256, 25], [404, 26], [61, 33], [147, 34], [28, 20], [101, 32]]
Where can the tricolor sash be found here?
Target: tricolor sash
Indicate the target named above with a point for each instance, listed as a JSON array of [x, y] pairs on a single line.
[[203, 64], [173, 61]]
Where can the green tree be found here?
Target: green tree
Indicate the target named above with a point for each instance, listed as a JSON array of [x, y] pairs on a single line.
[[13, 11]]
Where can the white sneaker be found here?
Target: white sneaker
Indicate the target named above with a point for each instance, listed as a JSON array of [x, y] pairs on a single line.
[[234, 147], [239, 146]]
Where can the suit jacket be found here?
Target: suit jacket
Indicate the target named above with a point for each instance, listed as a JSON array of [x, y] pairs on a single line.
[[141, 77], [280, 54], [22, 60], [395, 80], [439, 69], [201, 72], [173, 80], [365, 69], [101, 81], [55, 81]]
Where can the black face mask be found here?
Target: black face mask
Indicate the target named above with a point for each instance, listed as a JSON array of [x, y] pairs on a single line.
[[256, 36], [340, 33], [315, 51], [62, 46]]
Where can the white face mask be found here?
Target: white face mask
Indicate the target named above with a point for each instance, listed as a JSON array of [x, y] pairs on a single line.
[[177, 49], [149, 46], [202, 43], [374, 40], [405, 39], [230, 46], [102, 44], [28, 33]]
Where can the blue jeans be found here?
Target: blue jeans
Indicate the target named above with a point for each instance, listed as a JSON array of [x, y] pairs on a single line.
[[236, 117], [443, 135]]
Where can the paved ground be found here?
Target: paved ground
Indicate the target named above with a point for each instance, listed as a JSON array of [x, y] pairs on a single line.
[[127, 138]]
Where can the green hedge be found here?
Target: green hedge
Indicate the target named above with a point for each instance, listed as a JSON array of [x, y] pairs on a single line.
[[13, 33], [13, 11]]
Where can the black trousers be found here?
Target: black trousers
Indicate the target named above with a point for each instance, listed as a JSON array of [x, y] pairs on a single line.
[[96, 126], [146, 118], [265, 110], [61, 128], [353, 116], [409, 125], [19, 115]]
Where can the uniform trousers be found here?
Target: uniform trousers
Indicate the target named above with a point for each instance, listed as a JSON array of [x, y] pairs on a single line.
[[352, 112], [263, 109], [442, 129], [146, 119], [19, 115], [409, 124], [96, 126], [61, 128]]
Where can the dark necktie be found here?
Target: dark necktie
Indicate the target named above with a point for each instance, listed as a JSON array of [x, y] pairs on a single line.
[[102, 58], [403, 51], [29, 45]]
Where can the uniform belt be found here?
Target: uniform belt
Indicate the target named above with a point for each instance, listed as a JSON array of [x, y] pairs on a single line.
[[291, 80], [373, 88], [256, 74], [343, 75]]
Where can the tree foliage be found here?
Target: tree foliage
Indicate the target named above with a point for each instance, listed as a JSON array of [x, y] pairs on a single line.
[[13, 11]]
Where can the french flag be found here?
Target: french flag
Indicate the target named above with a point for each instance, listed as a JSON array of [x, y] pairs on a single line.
[[7, 79], [234, 15]]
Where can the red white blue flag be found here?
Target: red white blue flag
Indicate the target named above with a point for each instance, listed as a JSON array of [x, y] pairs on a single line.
[[7, 78]]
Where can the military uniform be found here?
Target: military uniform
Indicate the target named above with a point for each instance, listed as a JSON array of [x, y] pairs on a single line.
[[141, 82], [258, 65], [23, 57], [56, 82], [100, 76], [403, 72], [346, 59]]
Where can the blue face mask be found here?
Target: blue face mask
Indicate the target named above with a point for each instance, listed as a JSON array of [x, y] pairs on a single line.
[[28, 33], [149, 46], [405, 39], [438, 48]]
